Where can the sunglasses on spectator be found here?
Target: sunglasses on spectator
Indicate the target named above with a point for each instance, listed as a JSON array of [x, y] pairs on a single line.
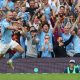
[[46, 37]]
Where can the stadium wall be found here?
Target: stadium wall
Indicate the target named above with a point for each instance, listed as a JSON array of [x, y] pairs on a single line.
[[41, 65]]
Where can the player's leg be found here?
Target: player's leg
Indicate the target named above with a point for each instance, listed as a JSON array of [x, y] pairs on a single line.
[[19, 52], [3, 49]]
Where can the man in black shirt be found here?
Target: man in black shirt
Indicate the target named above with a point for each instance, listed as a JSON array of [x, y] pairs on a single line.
[[60, 48], [32, 8]]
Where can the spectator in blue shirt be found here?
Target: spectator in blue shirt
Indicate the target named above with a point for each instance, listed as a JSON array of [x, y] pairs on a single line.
[[24, 15], [76, 43], [65, 36], [46, 48], [47, 10], [45, 30], [10, 5], [1, 5]]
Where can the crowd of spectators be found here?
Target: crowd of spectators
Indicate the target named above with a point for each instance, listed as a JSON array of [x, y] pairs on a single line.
[[46, 28]]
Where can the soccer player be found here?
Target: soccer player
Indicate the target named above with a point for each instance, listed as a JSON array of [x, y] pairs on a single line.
[[6, 40]]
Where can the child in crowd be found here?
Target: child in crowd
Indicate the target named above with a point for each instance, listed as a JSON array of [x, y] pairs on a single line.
[[47, 49]]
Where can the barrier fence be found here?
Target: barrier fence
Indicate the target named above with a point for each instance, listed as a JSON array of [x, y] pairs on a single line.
[[41, 65]]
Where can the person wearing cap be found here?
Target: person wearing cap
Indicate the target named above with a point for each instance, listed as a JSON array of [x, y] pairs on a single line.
[[31, 42], [72, 68]]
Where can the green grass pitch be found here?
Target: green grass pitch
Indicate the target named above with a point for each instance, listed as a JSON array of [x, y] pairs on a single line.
[[39, 76]]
